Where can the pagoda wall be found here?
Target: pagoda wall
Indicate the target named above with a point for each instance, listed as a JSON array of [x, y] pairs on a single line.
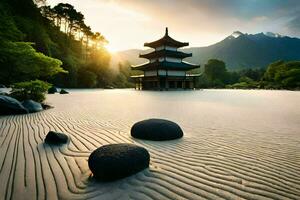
[[166, 47], [176, 73], [162, 72], [177, 60], [169, 59], [150, 73]]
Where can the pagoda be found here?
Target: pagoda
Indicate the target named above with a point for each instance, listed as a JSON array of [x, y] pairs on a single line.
[[165, 69]]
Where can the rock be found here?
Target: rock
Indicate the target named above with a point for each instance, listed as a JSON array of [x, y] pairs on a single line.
[[156, 129], [32, 106], [52, 90], [56, 138], [2, 86], [108, 87], [11, 106], [46, 106], [115, 161], [62, 91]]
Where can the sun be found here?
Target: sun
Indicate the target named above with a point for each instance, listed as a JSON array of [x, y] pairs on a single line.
[[111, 48]]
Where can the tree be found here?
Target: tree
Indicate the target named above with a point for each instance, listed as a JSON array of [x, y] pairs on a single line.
[[215, 70], [87, 79], [282, 74], [20, 62], [31, 90]]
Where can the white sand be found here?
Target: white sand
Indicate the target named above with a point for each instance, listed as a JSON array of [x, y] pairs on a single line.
[[237, 145]]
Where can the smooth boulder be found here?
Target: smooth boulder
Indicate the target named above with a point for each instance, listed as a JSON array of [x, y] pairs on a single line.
[[56, 138], [52, 90], [156, 130], [115, 161], [32, 106], [11, 106], [62, 91]]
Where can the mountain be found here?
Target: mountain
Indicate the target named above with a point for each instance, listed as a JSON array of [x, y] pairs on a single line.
[[239, 51]]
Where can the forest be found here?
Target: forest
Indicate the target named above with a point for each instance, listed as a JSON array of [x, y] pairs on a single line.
[[277, 75], [54, 45]]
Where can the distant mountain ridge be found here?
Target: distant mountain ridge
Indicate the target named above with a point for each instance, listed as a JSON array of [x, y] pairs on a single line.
[[238, 51]]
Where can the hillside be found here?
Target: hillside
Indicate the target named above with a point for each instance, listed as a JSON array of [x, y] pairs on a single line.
[[238, 51]]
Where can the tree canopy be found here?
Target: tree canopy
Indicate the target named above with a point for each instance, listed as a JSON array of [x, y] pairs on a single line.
[[41, 42], [19, 61]]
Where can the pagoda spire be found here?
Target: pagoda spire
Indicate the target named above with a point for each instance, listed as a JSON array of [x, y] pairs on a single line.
[[167, 32]]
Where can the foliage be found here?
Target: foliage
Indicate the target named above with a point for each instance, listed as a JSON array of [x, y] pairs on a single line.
[[122, 79], [244, 85], [87, 79], [278, 75], [34, 90], [282, 74], [20, 62], [215, 70]]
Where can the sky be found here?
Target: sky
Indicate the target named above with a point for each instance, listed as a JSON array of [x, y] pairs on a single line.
[[128, 24]]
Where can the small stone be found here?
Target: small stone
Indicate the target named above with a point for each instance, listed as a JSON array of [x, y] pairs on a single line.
[[32, 106], [115, 161], [62, 91], [156, 130], [52, 90], [56, 138]]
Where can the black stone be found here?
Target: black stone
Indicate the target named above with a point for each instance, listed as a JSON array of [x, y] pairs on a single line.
[[56, 138], [115, 161], [156, 129], [62, 91], [11, 106], [46, 106], [32, 106], [52, 90], [2, 86]]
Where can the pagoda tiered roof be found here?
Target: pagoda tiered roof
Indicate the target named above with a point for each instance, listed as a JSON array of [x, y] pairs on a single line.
[[166, 41], [165, 65], [165, 53]]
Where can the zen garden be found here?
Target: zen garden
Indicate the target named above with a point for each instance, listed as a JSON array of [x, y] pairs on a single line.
[[149, 100]]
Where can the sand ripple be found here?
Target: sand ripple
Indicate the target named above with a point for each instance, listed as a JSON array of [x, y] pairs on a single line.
[[212, 161]]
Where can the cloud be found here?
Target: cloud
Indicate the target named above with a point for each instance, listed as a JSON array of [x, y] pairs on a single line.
[[130, 23], [220, 15]]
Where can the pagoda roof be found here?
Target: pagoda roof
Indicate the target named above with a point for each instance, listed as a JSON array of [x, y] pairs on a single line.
[[165, 53], [166, 40], [165, 65]]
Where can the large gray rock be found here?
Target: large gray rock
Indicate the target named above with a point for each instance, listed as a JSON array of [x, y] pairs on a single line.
[[32, 106], [11, 106], [56, 138], [156, 129], [115, 161]]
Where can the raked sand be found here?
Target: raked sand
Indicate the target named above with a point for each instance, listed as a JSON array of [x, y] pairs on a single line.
[[237, 145]]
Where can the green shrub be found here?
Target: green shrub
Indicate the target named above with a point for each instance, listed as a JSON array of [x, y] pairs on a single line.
[[34, 90]]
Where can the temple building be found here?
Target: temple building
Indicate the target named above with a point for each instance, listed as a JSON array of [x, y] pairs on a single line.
[[165, 69]]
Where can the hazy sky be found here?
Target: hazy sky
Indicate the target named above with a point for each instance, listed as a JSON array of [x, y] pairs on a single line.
[[129, 23]]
